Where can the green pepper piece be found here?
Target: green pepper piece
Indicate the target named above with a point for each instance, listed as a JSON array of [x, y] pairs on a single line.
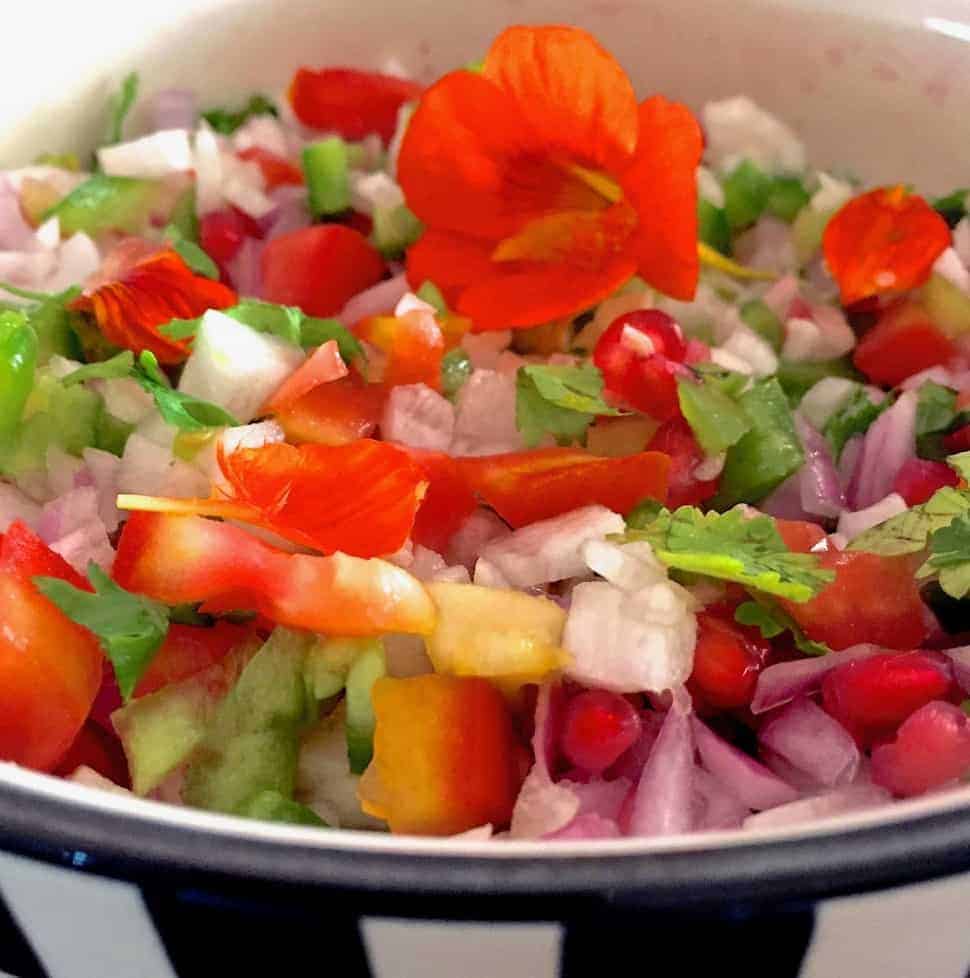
[[712, 226], [18, 360], [104, 203], [325, 166]]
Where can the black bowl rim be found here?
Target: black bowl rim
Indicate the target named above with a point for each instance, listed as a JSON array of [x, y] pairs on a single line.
[[836, 862]]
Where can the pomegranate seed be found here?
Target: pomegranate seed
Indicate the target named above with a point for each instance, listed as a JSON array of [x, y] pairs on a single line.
[[675, 438], [727, 661], [598, 726], [872, 697], [919, 478], [221, 233], [931, 748]]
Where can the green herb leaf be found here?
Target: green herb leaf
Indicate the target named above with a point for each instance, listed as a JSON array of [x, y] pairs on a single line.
[[908, 533], [131, 628], [430, 293], [561, 401], [226, 122], [712, 226], [764, 322], [767, 454], [191, 253], [953, 207], [935, 408], [118, 366], [730, 547], [950, 557], [767, 616], [120, 107], [715, 418], [456, 368], [853, 418], [180, 410]]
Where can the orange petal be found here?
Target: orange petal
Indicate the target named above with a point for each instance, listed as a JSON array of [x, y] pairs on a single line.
[[470, 164], [883, 242], [523, 294], [141, 287], [323, 366], [449, 260], [571, 91], [661, 185]]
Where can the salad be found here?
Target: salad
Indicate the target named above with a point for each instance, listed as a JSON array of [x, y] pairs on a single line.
[[508, 457]]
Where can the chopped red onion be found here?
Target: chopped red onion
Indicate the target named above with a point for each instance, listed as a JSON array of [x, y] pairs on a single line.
[[88, 543], [714, 806], [750, 781], [15, 233], [937, 375], [173, 108], [630, 765], [960, 657], [782, 682], [484, 349], [599, 797], [851, 524], [485, 419], [819, 486], [781, 295], [14, 505], [67, 513], [838, 801], [785, 502], [419, 417], [768, 245], [469, 539], [290, 213], [378, 300], [803, 734], [889, 442], [245, 269], [662, 803], [589, 826]]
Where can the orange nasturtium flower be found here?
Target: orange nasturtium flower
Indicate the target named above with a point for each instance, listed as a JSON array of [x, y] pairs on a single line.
[[882, 243], [142, 286], [360, 498], [543, 186]]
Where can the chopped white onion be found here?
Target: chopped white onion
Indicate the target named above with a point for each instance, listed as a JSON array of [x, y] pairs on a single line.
[[469, 539], [485, 416], [838, 801], [745, 344], [832, 193], [378, 300], [262, 132], [824, 399], [484, 349], [150, 157], [950, 266], [737, 129]]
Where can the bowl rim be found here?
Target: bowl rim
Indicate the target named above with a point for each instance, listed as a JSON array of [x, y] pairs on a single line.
[[44, 818]]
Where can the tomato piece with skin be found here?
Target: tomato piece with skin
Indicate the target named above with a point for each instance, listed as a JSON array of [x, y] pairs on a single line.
[[727, 661], [872, 697], [323, 366], [277, 170], [414, 345], [675, 439], [638, 355], [523, 487], [190, 559], [50, 668], [319, 268], [447, 503], [598, 727], [334, 413], [350, 102], [443, 777], [96, 748], [223, 232], [872, 599], [903, 342]]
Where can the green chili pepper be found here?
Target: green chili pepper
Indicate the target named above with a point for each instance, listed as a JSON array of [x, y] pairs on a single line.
[[18, 358]]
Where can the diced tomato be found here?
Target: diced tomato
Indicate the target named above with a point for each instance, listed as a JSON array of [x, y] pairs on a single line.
[[919, 478], [99, 750], [222, 233], [958, 441], [675, 438], [189, 559], [931, 748], [351, 102], [321, 367], [903, 342], [50, 668], [598, 726], [277, 170], [637, 354], [319, 268], [447, 503], [363, 223], [872, 697], [523, 487], [334, 413], [414, 345], [872, 599], [727, 660], [799, 535], [445, 776]]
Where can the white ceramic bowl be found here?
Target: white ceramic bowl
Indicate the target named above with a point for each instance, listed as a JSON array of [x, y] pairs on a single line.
[[98, 886]]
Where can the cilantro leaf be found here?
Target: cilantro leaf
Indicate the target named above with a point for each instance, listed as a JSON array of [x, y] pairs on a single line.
[[226, 122], [561, 401], [177, 409], [731, 547], [131, 628], [191, 253], [935, 408], [120, 107], [853, 418], [950, 557], [908, 533], [772, 621], [713, 415], [118, 366]]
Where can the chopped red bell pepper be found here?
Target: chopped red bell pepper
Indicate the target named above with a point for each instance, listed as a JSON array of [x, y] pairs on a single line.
[[351, 102], [321, 367], [223, 232], [903, 342], [445, 755], [883, 242], [179, 559], [447, 503], [334, 413], [277, 170], [50, 668], [414, 345], [319, 268], [523, 487]]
